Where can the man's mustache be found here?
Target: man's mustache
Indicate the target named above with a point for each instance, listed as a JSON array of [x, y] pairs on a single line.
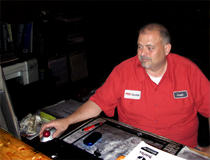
[[143, 57]]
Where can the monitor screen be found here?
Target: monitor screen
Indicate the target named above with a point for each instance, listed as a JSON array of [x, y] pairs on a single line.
[[8, 119]]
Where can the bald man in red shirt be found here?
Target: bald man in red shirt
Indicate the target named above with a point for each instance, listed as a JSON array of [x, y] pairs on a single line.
[[156, 91]]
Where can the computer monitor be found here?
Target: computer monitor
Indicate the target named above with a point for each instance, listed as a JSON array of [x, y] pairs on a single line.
[[8, 119]]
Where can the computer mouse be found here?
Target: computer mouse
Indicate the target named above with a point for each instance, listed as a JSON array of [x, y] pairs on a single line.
[[92, 138], [47, 135]]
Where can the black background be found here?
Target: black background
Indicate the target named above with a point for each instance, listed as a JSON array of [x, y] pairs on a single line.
[[111, 27]]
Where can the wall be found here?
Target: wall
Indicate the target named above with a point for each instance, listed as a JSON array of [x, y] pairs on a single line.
[[111, 28]]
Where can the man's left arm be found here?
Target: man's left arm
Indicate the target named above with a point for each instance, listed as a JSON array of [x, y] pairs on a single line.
[[202, 87], [205, 149]]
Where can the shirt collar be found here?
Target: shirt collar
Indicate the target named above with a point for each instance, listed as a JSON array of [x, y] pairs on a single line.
[[168, 66]]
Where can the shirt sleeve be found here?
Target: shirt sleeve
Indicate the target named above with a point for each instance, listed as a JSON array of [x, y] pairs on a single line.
[[107, 96], [201, 91]]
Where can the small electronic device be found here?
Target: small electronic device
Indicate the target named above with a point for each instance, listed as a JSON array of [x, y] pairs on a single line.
[[92, 138], [47, 135], [25, 72]]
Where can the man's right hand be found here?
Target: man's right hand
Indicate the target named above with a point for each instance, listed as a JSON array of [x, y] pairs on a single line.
[[88, 110], [60, 124]]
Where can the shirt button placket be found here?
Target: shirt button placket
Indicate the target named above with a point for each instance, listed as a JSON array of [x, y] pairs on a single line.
[[156, 105]]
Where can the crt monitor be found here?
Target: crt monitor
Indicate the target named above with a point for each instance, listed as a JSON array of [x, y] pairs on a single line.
[[8, 119]]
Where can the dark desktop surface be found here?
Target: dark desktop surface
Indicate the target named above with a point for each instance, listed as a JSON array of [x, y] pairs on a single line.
[[58, 149]]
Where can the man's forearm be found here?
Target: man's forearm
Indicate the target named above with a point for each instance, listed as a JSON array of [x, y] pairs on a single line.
[[88, 110]]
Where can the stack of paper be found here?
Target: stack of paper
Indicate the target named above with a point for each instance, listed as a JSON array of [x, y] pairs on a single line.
[[62, 109], [144, 151]]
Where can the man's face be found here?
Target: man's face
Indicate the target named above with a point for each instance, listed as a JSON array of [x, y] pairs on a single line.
[[151, 50]]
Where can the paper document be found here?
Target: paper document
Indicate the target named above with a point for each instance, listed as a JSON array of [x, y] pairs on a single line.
[[62, 109], [144, 151], [189, 154]]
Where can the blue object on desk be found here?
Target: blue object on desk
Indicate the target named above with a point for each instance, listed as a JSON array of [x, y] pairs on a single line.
[[92, 138]]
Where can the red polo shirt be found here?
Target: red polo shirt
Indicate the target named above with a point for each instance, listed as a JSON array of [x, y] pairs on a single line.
[[168, 109]]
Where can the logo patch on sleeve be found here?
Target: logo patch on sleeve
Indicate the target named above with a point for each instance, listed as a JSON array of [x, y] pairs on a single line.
[[132, 94], [180, 94]]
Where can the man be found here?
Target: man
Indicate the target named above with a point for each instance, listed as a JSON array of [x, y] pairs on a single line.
[[156, 91]]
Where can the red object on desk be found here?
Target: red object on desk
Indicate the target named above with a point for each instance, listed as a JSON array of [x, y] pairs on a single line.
[[46, 133], [95, 125]]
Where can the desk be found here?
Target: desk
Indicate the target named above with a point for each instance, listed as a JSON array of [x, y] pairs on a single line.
[[202, 153], [58, 148], [12, 148]]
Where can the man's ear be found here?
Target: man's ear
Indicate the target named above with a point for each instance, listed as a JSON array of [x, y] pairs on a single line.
[[167, 48]]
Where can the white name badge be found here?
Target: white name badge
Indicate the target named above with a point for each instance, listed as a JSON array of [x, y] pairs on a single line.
[[131, 94]]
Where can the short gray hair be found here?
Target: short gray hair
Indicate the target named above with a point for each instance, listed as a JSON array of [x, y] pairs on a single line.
[[164, 33]]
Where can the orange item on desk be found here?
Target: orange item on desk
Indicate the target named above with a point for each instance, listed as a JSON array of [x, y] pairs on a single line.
[[120, 158], [11, 148]]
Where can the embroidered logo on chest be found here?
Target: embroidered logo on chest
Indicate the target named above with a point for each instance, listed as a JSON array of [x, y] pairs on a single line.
[[180, 94], [132, 94]]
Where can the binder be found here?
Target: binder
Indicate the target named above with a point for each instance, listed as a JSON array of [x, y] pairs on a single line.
[[0, 36], [10, 39], [31, 39], [20, 35], [4, 30], [27, 35], [10, 46]]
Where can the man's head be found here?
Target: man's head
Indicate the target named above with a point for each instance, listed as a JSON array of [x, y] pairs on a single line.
[[153, 47]]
